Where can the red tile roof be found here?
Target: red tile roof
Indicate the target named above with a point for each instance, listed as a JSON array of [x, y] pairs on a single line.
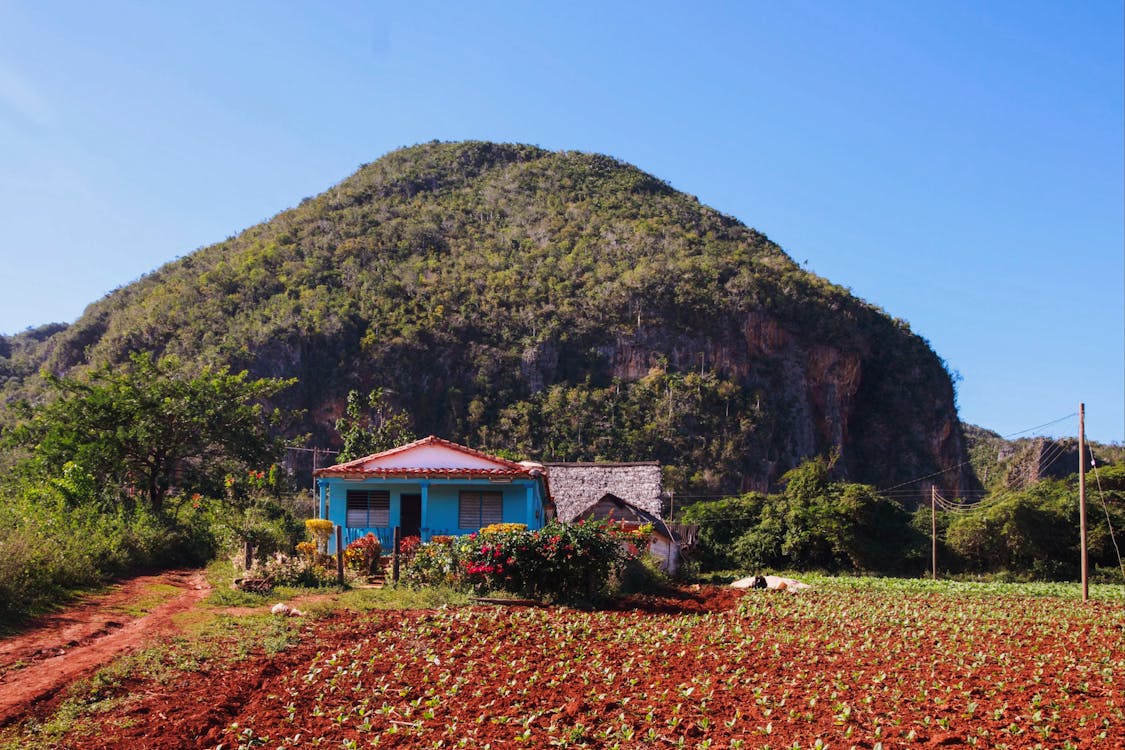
[[355, 469]]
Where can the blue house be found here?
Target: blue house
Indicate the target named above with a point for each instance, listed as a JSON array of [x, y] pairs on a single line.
[[431, 486]]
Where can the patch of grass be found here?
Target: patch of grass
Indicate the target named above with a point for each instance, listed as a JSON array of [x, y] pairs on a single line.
[[393, 597], [68, 720], [965, 588], [221, 575], [153, 597]]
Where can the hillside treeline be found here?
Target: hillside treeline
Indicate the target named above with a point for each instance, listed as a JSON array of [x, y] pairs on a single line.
[[556, 304]]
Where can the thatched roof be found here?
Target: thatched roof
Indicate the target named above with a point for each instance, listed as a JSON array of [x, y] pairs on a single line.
[[577, 486]]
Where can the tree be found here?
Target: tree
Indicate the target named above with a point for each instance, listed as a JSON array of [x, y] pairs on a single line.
[[378, 427], [142, 431]]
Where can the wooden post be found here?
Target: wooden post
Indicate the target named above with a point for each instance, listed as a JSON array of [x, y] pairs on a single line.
[[933, 526], [394, 554], [247, 555], [1082, 500], [340, 555]]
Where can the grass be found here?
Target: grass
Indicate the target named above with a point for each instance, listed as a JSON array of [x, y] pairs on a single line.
[[965, 588], [154, 596]]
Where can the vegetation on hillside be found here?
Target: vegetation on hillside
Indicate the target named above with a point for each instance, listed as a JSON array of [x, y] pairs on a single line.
[[490, 290], [1002, 464]]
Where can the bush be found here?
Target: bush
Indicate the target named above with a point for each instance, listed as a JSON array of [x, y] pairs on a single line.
[[434, 564], [363, 554], [286, 570], [52, 546], [559, 563]]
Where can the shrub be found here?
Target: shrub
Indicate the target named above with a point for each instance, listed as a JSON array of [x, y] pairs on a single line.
[[363, 554], [503, 528], [434, 564], [285, 570], [559, 563], [320, 529]]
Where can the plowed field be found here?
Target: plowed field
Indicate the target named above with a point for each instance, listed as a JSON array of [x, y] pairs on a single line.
[[845, 667]]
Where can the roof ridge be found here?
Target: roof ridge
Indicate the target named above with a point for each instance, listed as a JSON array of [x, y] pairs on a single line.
[[428, 440]]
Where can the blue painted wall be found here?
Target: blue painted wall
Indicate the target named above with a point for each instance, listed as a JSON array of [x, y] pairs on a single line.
[[523, 503]]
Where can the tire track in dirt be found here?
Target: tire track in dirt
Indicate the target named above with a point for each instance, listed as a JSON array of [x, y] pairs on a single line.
[[59, 649]]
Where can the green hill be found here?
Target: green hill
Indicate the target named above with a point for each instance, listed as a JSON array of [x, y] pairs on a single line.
[[559, 305]]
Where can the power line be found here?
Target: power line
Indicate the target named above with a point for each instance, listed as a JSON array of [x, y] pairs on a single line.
[[1105, 508], [964, 463], [1041, 426]]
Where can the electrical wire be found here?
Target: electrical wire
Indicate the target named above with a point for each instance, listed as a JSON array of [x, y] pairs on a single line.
[[964, 463], [1105, 509], [1041, 426]]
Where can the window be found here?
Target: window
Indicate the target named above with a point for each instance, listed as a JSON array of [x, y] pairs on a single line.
[[479, 509], [368, 508]]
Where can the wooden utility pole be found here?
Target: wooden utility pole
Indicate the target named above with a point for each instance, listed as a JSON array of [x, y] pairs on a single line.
[[933, 525], [1082, 499]]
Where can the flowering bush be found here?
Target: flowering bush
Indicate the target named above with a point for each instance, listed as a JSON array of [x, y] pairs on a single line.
[[407, 545], [503, 528], [320, 529], [283, 570], [434, 564], [362, 555], [561, 562]]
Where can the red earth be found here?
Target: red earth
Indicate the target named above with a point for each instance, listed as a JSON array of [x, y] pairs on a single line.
[[59, 649], [698, 667]]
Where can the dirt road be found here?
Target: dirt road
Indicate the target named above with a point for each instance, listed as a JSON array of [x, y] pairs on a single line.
[[37, 665]]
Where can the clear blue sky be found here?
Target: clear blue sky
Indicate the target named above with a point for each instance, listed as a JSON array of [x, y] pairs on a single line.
[[960, 164]]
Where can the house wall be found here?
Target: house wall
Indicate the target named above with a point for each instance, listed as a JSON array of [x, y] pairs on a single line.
[[667, 552], [522, 503]]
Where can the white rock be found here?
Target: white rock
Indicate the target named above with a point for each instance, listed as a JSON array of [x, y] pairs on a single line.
[[777, 583]]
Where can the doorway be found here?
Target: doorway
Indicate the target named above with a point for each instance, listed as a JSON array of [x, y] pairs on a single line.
[[410, 518]]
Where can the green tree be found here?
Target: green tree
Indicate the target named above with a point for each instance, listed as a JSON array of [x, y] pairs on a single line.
[[376, 427], [151, 427]]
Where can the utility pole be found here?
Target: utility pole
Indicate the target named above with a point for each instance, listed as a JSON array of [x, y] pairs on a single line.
[[1082, 499], [933, 525], [315, 506]]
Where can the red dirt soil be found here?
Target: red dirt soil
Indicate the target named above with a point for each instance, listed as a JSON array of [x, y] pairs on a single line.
[[61, 648], [689, 668]]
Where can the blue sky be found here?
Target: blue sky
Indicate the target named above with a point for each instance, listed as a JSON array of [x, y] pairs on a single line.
[[959, 164]]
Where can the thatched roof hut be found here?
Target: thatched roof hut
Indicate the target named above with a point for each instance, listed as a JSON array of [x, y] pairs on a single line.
[[576, 487]]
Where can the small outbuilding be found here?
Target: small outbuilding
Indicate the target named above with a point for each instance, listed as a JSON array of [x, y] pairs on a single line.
[[663, 543], [630, 492]]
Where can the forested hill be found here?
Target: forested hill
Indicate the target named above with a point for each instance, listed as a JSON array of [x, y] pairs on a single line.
[[558, 305]]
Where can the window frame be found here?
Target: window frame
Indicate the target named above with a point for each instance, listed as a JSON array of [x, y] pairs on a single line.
[[375, 505], [473, 504]]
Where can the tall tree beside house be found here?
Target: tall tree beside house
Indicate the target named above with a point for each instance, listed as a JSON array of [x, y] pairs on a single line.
[[134, 435]]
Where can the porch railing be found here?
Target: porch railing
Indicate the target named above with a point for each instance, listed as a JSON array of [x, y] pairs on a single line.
[[385, 535]]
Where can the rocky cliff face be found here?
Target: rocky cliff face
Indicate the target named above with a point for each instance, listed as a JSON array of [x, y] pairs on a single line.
[[563, 306]]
